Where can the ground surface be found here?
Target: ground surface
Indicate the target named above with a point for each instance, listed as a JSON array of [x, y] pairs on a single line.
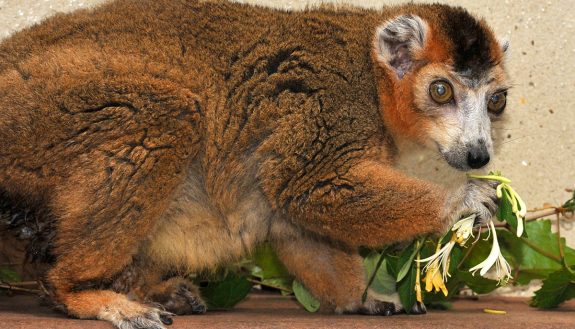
[[261, 310]]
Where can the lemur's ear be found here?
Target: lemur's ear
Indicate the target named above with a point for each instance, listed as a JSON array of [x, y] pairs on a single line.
[[396, 42], [504, 43]]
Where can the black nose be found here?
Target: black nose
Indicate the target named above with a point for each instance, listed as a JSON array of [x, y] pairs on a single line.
[[477, 157]]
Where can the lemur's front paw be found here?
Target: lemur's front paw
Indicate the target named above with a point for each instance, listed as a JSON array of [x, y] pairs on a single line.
[[477, 196]]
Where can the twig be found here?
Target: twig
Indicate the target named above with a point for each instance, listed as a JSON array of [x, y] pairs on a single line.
[[549, 212], [467, 254], [5, 286], [269, 285], [21, 284], [559, 235]]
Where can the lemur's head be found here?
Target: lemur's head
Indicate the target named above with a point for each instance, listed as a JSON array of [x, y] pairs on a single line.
[[442, 81]]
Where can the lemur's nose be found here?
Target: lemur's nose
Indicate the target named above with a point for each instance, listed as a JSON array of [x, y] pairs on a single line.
[[478, 156]]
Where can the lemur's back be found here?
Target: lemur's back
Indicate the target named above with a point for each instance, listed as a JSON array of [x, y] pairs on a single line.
[[244, 70]]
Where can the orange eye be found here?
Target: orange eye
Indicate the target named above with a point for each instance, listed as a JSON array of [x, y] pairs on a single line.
[[497, 102], [441, 92]]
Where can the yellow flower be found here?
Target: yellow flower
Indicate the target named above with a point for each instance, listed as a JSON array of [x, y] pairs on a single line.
[[433, 279]]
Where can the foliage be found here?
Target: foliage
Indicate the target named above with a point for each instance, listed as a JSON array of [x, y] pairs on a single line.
[[534, 255], [8, 275]]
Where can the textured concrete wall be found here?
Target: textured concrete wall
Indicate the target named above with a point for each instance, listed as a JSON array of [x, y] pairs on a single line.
[[537, 143]]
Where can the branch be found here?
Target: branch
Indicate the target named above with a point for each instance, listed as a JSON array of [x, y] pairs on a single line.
[[6, 286], [21, 284], [269, 285], [559, 236]]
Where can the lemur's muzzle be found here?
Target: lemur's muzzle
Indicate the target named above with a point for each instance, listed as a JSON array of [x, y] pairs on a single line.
[[478, 155]]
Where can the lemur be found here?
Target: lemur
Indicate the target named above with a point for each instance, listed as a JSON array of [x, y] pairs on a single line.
[[170, 136]]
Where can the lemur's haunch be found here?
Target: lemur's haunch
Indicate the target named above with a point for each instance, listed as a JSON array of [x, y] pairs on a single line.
[[170, 136]]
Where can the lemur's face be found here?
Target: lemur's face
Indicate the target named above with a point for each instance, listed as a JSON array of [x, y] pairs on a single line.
[[444, 82], [459, 112]]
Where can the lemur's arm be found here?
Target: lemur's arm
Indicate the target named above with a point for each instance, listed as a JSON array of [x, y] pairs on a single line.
[[372, 204]]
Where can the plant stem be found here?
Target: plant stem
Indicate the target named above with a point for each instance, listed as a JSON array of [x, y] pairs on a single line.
[[5, 286], [549, 212], [269, 285], [21, 284], [548, 254], [466, 254], [559, 236], [418, 277]]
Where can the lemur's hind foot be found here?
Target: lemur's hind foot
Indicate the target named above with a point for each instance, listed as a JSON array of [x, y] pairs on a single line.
[[116, 308], [178, 296]]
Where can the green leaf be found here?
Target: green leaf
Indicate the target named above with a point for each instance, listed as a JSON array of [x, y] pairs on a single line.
[[456, 256], [532, 263], [391, 265], [9, 275], [305, 297], [383, 282], [476, 282], [265, 257], [556, 289], [409, 262], [406, 290], [447, 237], [284, 283], [505, 209], [226, 293]]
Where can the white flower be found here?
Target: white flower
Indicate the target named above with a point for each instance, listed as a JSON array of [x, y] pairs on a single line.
[[519, 208], [495, 257], [439, 259], [464, 229]]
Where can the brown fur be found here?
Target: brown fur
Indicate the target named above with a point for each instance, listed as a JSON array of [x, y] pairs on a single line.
[[182, 133]]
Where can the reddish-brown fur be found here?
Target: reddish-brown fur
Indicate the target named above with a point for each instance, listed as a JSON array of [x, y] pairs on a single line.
[[178, 134]]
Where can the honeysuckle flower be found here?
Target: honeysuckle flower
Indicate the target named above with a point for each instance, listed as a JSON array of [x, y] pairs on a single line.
[[519, 208], [433, 279], [463, 230], [495, 258], [439, 259]]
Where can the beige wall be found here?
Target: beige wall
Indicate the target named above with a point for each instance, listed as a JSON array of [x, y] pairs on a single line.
[[537, 143]]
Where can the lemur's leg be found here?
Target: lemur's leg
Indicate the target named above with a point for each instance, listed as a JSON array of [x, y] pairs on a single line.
[[104, 216], [117, 186], [334, 274], [177, 295], [144, 282]]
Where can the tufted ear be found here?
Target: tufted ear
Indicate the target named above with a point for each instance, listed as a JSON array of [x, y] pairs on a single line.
[[504, 43], [396, 42]]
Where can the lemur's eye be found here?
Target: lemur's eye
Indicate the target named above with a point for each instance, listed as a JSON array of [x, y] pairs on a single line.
[[497, 102], [441, 91]]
